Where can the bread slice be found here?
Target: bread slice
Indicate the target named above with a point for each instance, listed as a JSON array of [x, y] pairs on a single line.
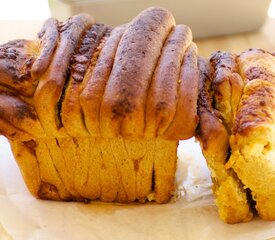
[[186, 119]]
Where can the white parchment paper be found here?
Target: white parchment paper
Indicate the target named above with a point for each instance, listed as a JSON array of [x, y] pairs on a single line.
[[192, 216]]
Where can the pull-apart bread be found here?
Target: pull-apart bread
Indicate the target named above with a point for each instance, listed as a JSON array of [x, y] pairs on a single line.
[[95, 112], [237, 122]]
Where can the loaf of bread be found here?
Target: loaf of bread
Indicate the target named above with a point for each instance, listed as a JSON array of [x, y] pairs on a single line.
[[236, 131], [95, 112]]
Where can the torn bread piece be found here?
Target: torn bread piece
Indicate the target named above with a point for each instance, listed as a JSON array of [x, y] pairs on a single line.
[[230, 194], [252, 140], [227, 86]]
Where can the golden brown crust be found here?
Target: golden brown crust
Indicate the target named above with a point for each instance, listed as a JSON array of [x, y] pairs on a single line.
[[124, 100], [211, 132], [256, 106], [186, 119], [163, 93]]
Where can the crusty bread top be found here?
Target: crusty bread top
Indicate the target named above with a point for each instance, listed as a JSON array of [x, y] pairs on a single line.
[[257, 64], [211, 132], [86, 79], [186, 119], [124, 101]]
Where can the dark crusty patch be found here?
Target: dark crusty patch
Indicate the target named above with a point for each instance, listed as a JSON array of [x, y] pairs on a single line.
[[81, 59], [259, 73], [48, 191], [123, 107], [15, 67], [25, 111], [31, 146]]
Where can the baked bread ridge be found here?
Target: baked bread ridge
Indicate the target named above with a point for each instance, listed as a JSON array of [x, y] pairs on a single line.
[[55, 120], [82, 65], [124, 100]]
